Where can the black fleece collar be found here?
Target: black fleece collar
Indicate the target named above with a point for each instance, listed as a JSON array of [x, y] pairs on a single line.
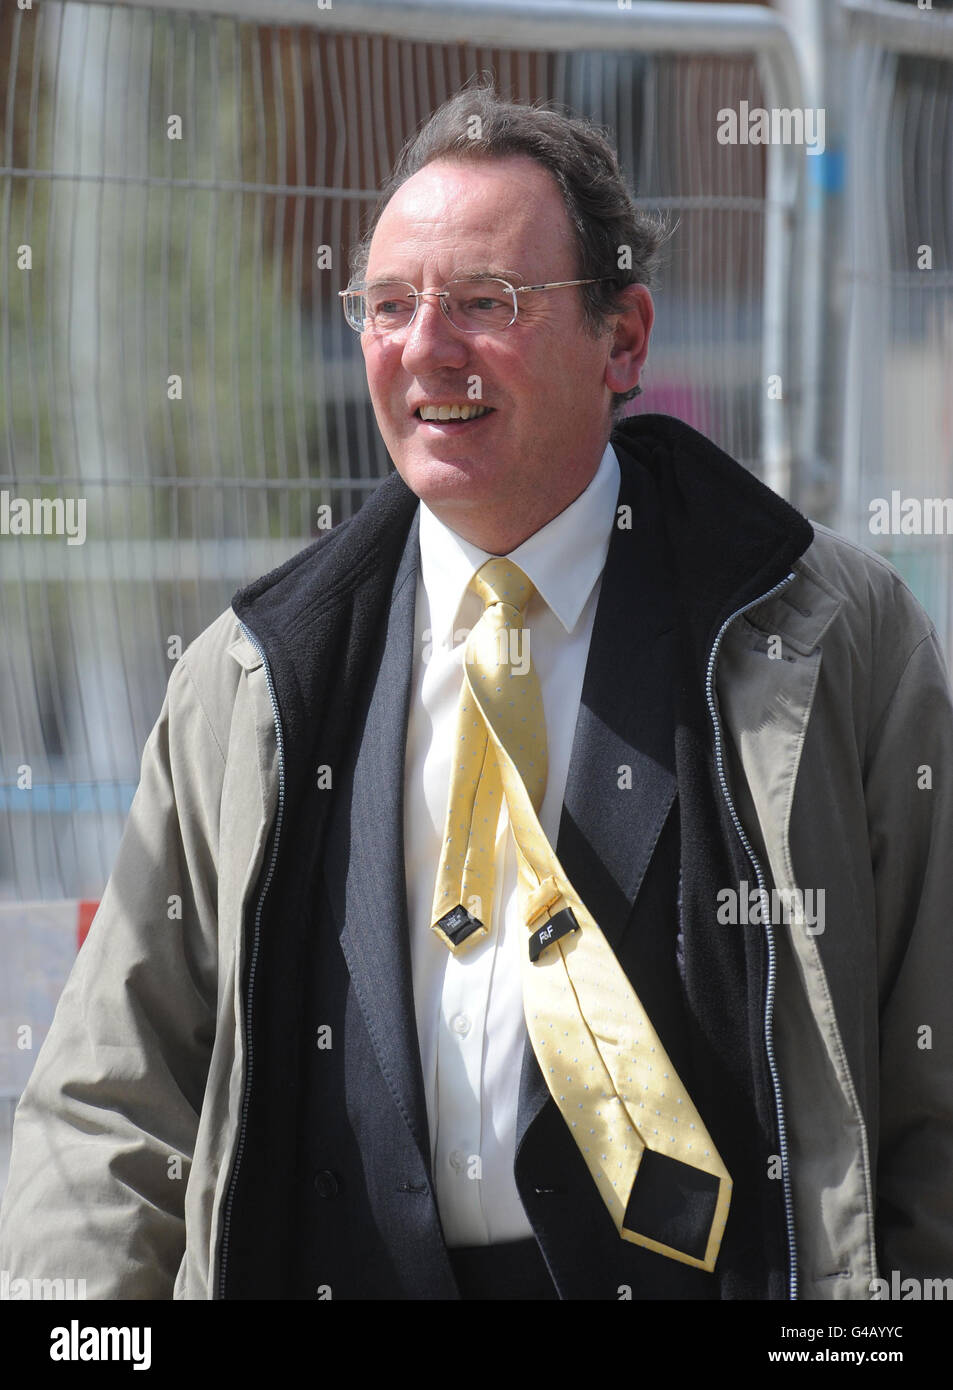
[[737, 537]]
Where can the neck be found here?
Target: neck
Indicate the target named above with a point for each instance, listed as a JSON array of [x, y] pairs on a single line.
[[500, 531]]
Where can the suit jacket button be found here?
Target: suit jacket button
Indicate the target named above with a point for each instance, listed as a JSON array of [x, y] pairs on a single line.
[[326, 1184]]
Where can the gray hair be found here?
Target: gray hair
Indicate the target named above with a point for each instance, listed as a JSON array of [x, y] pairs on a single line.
[[477, 124]]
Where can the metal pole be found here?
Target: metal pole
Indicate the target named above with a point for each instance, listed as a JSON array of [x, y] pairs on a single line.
[[647, 25], [901, 28]]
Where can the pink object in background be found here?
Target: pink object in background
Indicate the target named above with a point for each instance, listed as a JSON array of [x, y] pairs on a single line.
[[674, 398]]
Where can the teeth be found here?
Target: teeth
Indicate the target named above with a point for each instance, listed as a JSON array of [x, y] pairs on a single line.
[[452, 412]]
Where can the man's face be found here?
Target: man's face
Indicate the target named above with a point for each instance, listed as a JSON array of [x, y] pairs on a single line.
[[543, 378]]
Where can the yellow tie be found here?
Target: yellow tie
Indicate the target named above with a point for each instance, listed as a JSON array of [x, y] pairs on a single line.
[[497, 661], [653, 1161]]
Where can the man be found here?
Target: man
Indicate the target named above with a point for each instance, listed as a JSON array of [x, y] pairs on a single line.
[[282, 1069]]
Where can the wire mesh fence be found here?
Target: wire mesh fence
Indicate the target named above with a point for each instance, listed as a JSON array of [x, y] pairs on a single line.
[[897, 480], [179, 195]]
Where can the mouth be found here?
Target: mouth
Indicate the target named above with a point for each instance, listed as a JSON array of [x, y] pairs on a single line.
[[453, 416]]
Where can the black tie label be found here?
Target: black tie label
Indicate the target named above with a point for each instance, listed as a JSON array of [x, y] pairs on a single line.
[[560, 925], [457, 924]]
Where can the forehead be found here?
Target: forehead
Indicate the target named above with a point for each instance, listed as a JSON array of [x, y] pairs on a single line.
[[505, 214]]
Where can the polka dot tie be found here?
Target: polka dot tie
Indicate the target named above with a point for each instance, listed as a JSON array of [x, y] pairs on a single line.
[[651, 1157], [465, 881]]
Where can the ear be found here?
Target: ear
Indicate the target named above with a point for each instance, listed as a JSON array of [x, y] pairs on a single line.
[[629, 342]]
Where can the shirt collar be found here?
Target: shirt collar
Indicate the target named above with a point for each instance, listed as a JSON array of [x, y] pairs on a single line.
[[563, 559]]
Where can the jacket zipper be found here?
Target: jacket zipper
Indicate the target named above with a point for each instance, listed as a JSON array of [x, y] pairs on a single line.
[[769, 936], [253, 962]]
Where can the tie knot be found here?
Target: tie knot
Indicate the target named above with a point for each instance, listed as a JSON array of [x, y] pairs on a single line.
[[500, 581]]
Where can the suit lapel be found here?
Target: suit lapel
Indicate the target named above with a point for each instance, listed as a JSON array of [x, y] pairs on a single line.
[[364, 866], [621, 783]]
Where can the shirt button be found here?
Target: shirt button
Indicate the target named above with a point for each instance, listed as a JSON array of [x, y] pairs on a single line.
[[458, 1160], [326, 1184], [460, 1025]]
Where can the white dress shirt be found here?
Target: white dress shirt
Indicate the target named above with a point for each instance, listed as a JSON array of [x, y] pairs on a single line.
[[469, 1007]]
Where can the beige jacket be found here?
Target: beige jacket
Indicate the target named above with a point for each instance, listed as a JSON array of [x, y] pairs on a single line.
[[838, 750]]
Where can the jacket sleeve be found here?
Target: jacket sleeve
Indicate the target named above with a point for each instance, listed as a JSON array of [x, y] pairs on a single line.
[[105, 1129], [909, 786]]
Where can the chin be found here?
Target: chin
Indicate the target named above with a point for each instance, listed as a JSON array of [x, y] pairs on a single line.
[[447, 480]]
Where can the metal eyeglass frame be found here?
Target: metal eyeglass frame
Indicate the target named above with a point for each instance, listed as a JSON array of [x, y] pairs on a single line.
[[444, 293]]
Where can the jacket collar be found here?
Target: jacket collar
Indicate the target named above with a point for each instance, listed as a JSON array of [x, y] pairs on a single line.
[[732, 536]]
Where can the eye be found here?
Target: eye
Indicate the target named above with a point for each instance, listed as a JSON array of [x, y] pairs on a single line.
[[477, 305], [484, 301], [390, 301]]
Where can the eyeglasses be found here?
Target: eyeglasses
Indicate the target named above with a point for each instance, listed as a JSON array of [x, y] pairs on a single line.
[[483, 305]]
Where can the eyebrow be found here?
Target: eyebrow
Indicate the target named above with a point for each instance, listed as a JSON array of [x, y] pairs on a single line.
[[480, 272]]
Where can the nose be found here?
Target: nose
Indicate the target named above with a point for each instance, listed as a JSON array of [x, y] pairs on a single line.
[[430, 340]]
